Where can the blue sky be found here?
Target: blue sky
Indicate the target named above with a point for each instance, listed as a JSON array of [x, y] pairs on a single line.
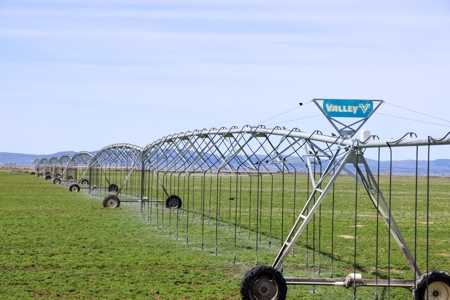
[[81, 75]]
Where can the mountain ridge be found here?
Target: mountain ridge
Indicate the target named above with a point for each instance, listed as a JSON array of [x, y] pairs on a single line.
[[439, 167], [23, 160]]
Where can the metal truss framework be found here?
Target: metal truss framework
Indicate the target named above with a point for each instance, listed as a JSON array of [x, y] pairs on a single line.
[[125, 170], [34, 166], [247, 149], [61, 165], [111, 171], [41, 166], [172, 163], [50, 167], [261, 150], [78, 166]]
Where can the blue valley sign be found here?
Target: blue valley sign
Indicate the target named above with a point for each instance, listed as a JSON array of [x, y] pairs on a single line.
[[347, 108]]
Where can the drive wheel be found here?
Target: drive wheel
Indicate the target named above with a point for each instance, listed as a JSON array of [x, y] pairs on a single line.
[[84, 181], [433, 285], [57, 181], [69, 178], [111, 201], [173, 201], [113, 188], [48, 177], [263, 283], [32, 173], [74, 188]]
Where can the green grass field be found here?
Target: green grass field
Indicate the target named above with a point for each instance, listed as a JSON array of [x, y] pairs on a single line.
[[57, 244]]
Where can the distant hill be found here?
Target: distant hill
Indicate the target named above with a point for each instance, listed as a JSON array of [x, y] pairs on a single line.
[[438, 167], [27, 159]]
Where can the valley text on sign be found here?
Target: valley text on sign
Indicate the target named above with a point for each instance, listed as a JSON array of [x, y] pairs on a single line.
[[347, 108]]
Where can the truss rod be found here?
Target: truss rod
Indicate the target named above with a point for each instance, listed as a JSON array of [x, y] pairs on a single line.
[[303, 220], [371, 188], [385, 213]]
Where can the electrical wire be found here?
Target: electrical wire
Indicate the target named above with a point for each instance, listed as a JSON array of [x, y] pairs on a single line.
[[418, 112], [281, 122], [300, 104], [413, 120]]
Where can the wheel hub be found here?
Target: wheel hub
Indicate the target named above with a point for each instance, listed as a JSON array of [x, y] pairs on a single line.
[[437, 291], [112, 203], [264, 288]]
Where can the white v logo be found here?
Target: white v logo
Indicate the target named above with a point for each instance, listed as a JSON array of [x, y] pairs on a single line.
[[364, 108]]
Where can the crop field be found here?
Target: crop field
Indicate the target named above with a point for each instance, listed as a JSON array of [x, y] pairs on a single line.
[[57, 244]]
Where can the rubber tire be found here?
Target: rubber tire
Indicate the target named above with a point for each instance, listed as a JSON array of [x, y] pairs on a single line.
[[111, 201], [39, 175], [69, 178], [58, 175], [57, 181], [47, 173], [267, 281], [48, 177], [32, 173], [440, 286], [84, 181], [74, 188], [113, 188], [173, 201]]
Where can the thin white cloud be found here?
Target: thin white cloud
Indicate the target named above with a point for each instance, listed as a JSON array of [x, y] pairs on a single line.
[[340, 41], [171, 35], [191, 2], [327, 16]]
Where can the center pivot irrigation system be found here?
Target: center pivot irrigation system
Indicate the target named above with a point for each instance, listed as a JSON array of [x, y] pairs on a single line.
[[267, 282], [254, 188]]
